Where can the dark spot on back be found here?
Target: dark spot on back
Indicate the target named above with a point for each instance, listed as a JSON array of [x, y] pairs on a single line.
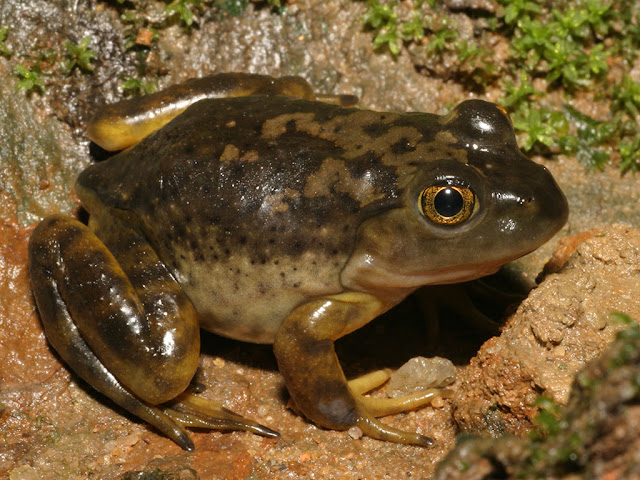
[[376, 130], [189, 149], [402, 146]]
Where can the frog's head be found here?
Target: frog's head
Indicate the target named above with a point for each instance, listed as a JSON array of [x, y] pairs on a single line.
[[471, 207]]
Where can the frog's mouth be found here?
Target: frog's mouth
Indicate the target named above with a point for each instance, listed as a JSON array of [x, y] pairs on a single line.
[[460, 274], [373, 277], [456, 274]]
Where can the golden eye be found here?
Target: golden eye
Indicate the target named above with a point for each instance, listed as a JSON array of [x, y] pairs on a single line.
[[447, 204]]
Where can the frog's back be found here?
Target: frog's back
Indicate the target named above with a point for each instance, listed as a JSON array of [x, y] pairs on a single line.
[[254, 202]]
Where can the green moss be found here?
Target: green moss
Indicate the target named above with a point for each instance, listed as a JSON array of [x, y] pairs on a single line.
[[4, 50], [132, 86], [30, 78], [79, 56], [186, 11]]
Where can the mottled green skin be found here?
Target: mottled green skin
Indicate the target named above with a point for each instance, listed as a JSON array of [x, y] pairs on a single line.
[[273, 219]]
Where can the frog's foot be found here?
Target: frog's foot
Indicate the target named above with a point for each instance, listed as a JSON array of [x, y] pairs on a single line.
[[380, 407], [191, 411]]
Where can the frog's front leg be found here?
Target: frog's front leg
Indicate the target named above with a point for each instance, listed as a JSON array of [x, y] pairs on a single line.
[[120, 320], [304, 348]]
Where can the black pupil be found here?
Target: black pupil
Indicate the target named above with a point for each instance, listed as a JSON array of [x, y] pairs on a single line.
[[448, 202]]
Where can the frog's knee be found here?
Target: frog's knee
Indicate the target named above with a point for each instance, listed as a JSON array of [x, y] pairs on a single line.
[[337, 413]]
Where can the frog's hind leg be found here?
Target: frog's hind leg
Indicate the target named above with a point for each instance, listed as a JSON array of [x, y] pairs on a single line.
[[133, 336], [71, 271], [123, 124]]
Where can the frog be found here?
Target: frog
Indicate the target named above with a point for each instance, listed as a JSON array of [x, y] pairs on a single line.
[[250, 207]]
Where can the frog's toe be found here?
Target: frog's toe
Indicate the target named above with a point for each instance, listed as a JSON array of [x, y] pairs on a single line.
[[369, 381], [191, 411], [380, 407], [376, 429]]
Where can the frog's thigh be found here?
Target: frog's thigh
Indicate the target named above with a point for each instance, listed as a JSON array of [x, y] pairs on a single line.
[[307, 360], [149, 342]]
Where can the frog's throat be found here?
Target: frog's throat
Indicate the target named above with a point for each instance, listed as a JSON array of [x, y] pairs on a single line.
[[364, 274]]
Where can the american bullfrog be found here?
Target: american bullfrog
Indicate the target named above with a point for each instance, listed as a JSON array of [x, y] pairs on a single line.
[[246, 206]]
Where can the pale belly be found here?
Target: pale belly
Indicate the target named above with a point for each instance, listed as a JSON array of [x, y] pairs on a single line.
[[249, 302]]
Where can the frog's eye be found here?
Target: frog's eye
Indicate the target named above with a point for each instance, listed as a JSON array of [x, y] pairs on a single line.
[[447, 204]]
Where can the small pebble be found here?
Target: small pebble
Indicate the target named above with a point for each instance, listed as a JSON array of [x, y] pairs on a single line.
[[420, 374], [355, 433]]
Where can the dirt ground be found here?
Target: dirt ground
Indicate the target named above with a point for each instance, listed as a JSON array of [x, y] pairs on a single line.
[[54, 426]]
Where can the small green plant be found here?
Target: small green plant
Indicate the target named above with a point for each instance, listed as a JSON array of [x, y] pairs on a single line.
[[518, 9], [547, 422], [30, 78], [134, 86], [80, 56], [557, 50], [630, 154], [4, 50], [539, 125], [185, 10], [382, 18], [626, 97], [443, 37], [590, 139]]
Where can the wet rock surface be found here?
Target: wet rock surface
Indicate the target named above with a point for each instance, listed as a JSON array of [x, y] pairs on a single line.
[[53, 426]]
